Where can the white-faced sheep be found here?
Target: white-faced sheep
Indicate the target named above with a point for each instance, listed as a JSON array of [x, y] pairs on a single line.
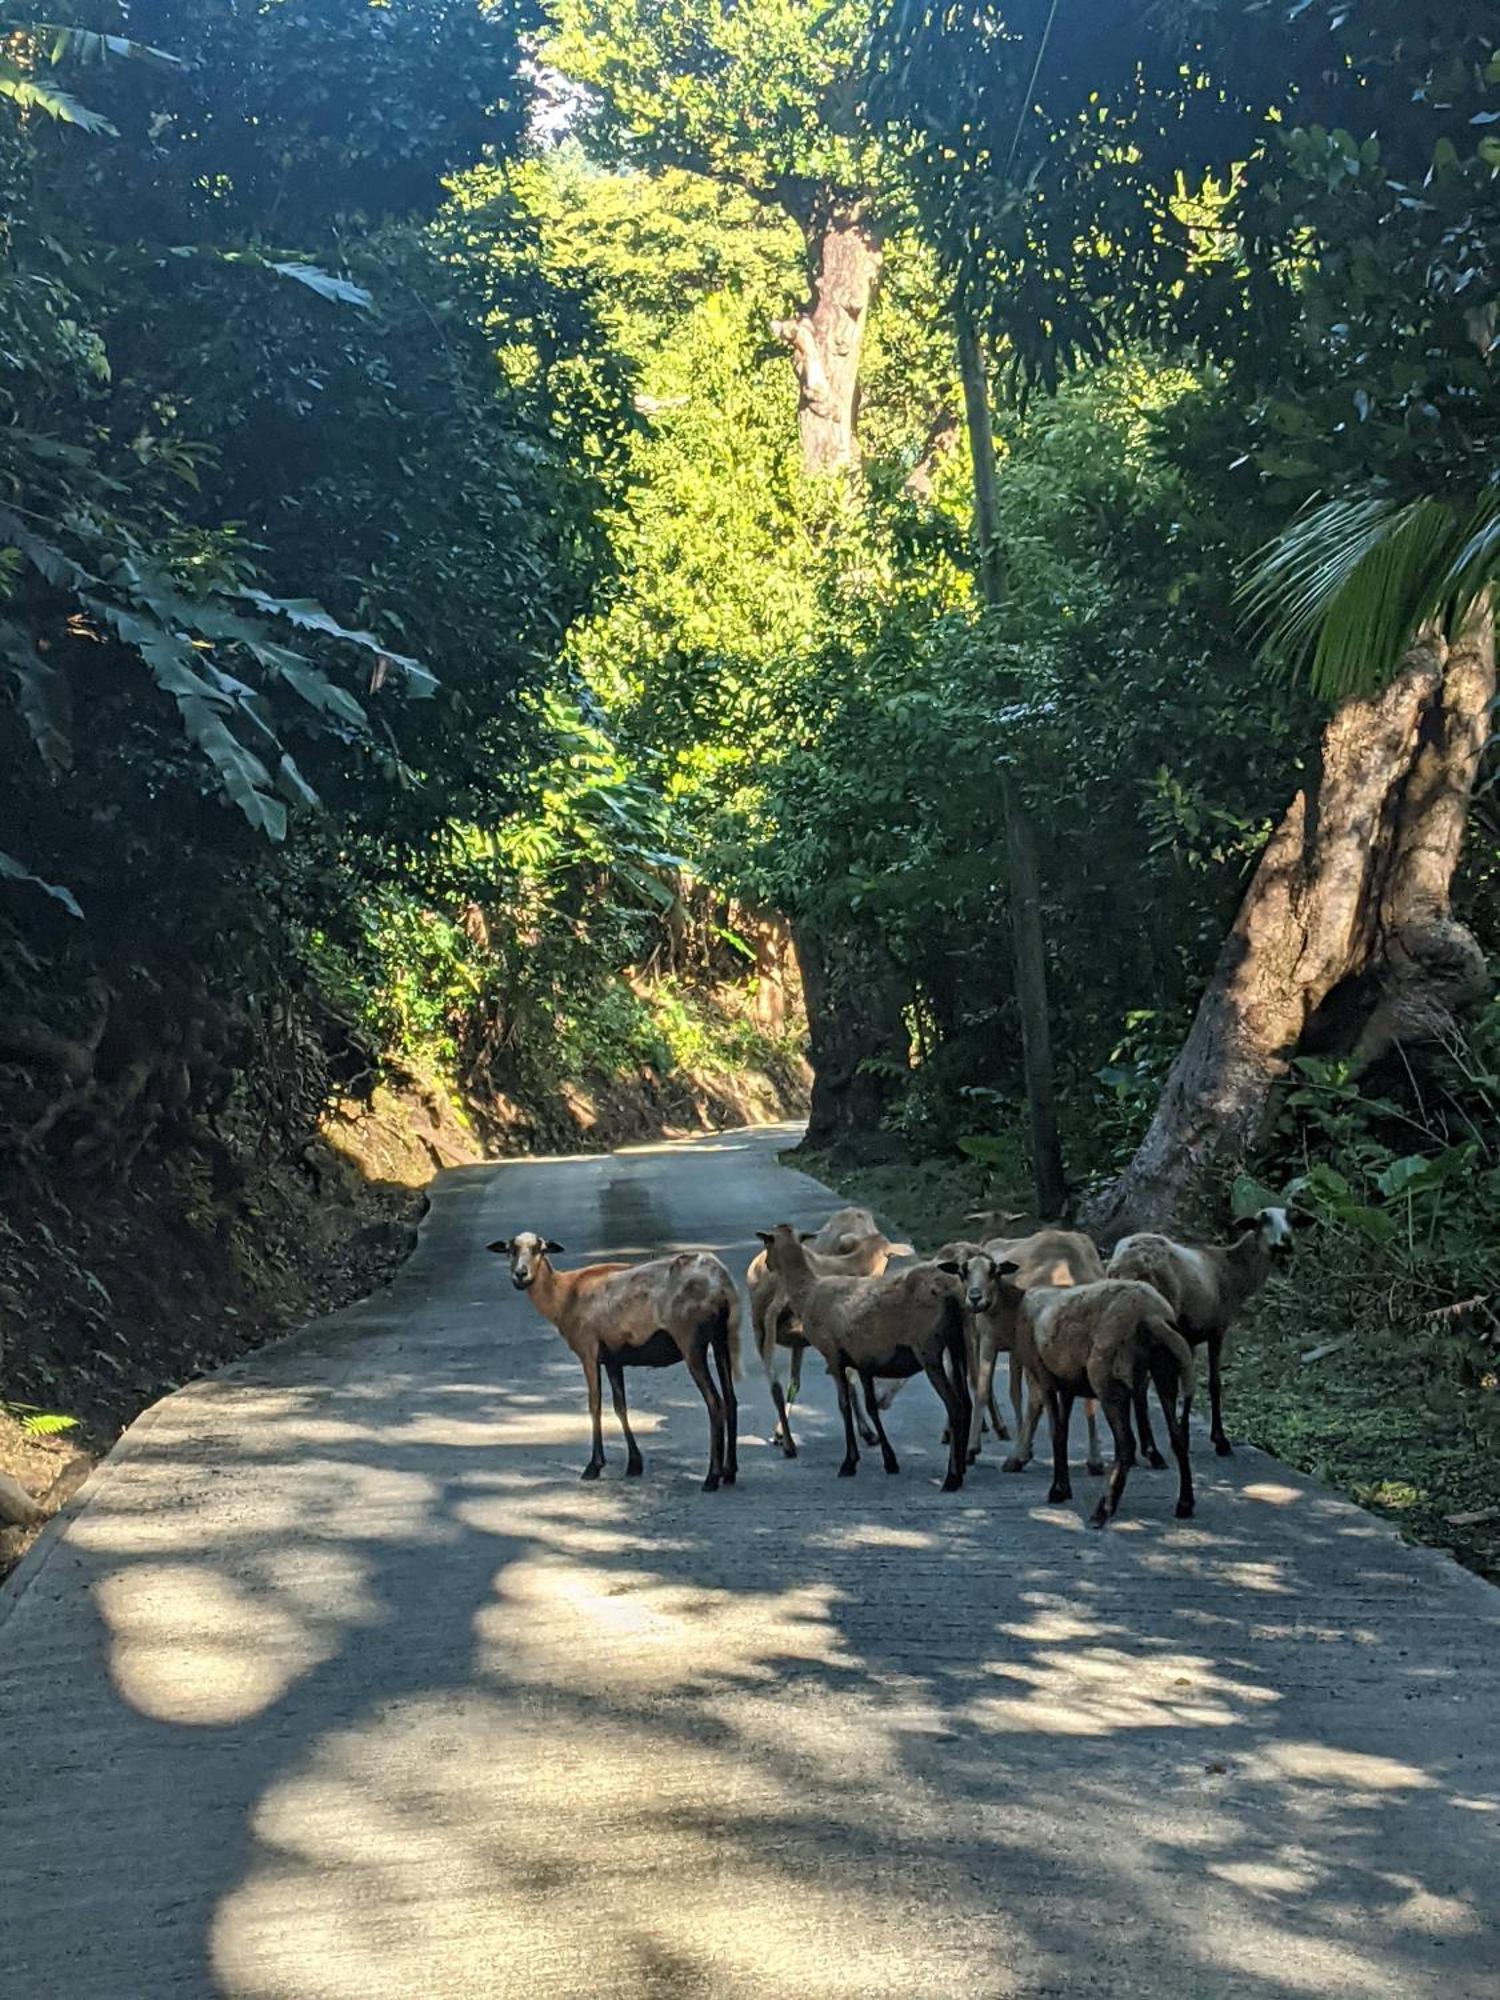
[[878, 1329], [1102, 1339], [1206, 1285], [776, 1326], [618, 1316]]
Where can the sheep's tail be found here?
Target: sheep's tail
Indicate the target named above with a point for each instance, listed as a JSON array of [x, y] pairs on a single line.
[[1164, 1334], [728, 1322]]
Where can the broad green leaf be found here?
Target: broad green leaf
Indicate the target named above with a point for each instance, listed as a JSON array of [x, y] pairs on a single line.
[[14, 871], [42, 696]]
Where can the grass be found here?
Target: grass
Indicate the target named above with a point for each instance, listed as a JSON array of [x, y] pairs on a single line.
[[1370, 1416]]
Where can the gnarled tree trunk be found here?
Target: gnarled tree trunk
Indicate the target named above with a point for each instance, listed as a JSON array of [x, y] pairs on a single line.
[[1345, 939], [827, 335], [857, 1036]]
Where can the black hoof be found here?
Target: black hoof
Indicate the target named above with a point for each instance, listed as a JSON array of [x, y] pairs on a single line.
[[711, 1484], [591, 1472], [973, 1458], [731, 1477], [891, 1465], [1154, 1459], [846, 1470], [1014, 1465], [1095, 1466], [1223, 1447], [952, 1483], [789, 1450], [1184, 1510], [1058, 1496], [1098, 1519], [635, 1468]]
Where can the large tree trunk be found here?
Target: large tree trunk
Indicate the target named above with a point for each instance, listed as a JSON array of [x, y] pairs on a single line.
[[1345, 940], [857, 1036], [1028, 946], [827, 335]]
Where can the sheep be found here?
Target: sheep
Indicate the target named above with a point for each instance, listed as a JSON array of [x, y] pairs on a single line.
[[1206, 1284], [775, 1324], [880, 1328], [683, 1308], [1104, 1338], [1046, 1257]]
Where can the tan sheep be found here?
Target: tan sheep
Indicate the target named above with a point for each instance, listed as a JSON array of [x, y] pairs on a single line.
[[1207, 1285], [777, 1328], [1046, 1257], [879, 1329], [1103, 1338], [618, 1316]]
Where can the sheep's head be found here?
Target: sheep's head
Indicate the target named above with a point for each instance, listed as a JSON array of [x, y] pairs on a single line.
[[784, 1249], [987, 1280], [527, 1253], [1271, 1231]]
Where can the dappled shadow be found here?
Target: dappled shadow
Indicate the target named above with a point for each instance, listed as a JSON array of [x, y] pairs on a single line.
[[370, 1696]]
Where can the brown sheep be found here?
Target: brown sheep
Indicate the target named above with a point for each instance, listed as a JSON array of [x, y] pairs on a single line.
[[1046, 1257], [683, 1308], [776, 1325], [1206, 1285], [1103, 1338], [880, 1328]]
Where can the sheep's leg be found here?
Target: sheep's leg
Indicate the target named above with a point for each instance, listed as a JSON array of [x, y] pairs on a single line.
[[596, 1415], [997, 1423], [984, 1395], [1167, 1376], [867, 1435], [1144, 1437], [1117, 1410], [1020, 1458], [633, 1460], [696, 1358], [955, 1397], [725, 1370], [797, 1348], [1094, 1462], [887, 1457], [851, 1450], [1215, 1397], [1017, 1394], [1060, 1411], [770, 1354]]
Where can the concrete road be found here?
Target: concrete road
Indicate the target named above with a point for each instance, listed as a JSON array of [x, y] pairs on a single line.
[[338, 1685]]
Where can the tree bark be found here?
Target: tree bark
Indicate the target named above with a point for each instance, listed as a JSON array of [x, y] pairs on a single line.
[[827, 335], [857, 1035], [1028, 947], [1345, 939]]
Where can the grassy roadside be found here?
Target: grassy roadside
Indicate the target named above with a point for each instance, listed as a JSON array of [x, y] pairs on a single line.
[[1316, 1375]]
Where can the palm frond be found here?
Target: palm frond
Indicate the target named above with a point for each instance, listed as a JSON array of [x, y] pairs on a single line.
[[1345, 588], [29, 95]]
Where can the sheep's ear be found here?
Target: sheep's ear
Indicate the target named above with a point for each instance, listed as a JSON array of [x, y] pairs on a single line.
[[501, 1249], [807, 1236], [767, 1236], [952, 1267], [554, 1249], [902, 1250], [1007, 1269], [1242, 1223]]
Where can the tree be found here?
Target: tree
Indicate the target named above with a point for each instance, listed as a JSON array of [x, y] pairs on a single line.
[[1378, 250], [760, 97]]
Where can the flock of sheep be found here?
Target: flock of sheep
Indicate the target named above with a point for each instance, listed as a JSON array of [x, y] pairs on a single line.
[[1071, 1328]]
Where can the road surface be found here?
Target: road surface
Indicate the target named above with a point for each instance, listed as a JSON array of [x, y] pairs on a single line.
[[338, 1685]]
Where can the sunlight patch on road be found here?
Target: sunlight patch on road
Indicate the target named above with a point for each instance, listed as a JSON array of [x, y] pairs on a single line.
[[565, 1852], [191, 1645], [611, 1628]]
